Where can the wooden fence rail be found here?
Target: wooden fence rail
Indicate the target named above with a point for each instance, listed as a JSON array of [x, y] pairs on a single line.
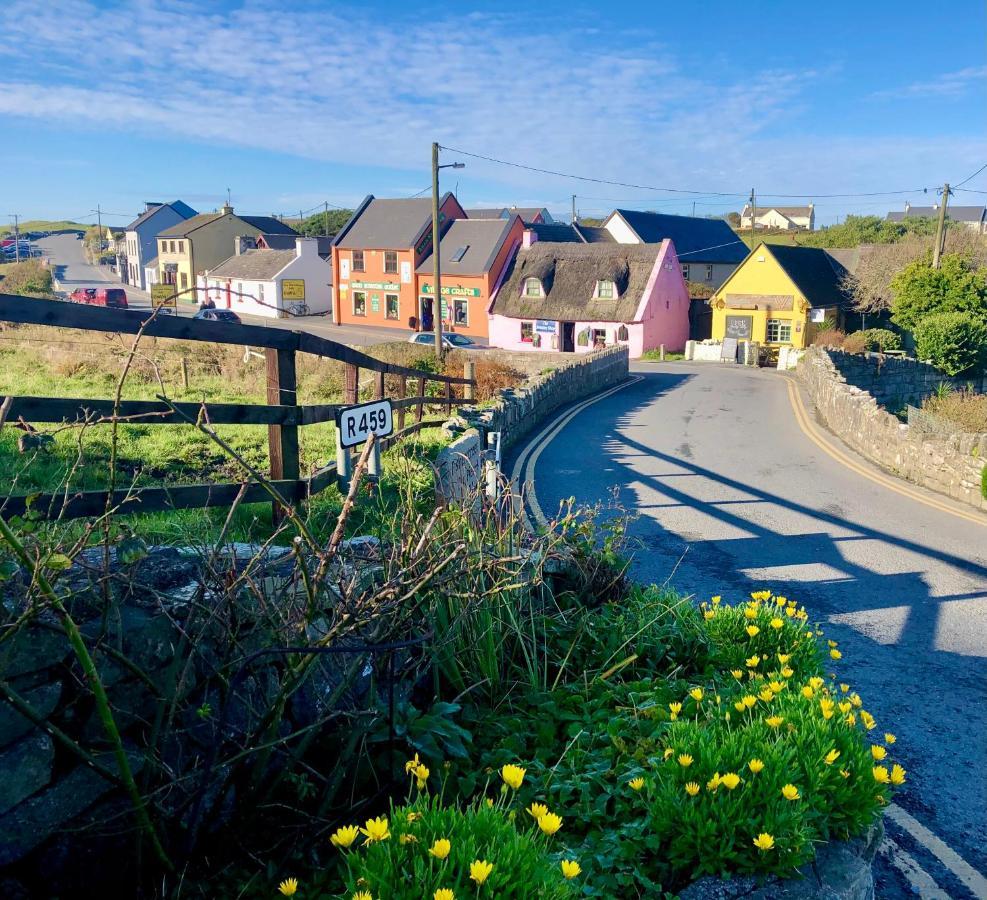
[[282, 414]]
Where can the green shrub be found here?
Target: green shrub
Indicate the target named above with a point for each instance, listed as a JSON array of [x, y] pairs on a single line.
[[954, 342], [921, 291], [983, 482], [881, 339]]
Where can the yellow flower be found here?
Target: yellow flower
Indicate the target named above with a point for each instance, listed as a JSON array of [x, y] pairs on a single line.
[[889, 738], [480, 870], [570, 868], [897, 775], [851, 719], [716, 600], [444, 894], [363, 895], [767, 695], [755, 765], [513, 776], [753, 630], [691, 788], [855, 700], [377, 829], [709, 614], [764, 841], [635, 784], [675, 708], [844, 707], [807, 692], [737, 673], [827, 706], [668, 753], [790, 792], [831, 757], [784, 657], [288, 887], [685, 760], [835, 654], [714, 782], [787, 672], [816, 683], [550, 823], [774, 721], [750, 611], [489, 802], [739, 706], [878, 752], [408, 839], [537, 810], [780, 601], [777, 623], [753, 661], [749, 700], [421, 776], [844, 687], [697, 694], [730, 780], [867, 719], [344, 837], [789, 611], [761, 595], [881, 774], [845, 773], [413, 817], [441, 848], [411, 765], [776, 686]]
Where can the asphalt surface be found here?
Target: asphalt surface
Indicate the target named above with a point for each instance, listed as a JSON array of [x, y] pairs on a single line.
[[71, 271], [732, 496]]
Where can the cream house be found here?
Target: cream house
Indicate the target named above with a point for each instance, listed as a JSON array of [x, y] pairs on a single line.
[[780, 218]]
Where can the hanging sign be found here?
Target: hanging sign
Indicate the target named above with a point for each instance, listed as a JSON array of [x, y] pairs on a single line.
[[546, 327]]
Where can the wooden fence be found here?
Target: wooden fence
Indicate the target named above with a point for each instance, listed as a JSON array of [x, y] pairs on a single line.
[[282, 414]]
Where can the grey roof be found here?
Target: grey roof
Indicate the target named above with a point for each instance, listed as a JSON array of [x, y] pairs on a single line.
[[264, 224], [268, 224], [696, 240], [482, 239], [955, 213], [254, 265], [287, 242], [817, 274], [528, 214], [784, 210], [569, 273], [151, 264], [183, 209], [556, 232], [387, 224], [487, 213], [594, 234]]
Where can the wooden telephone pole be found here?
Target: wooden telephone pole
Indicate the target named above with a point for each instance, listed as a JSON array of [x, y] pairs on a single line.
[[940, 244], [753, 212], [436, 264], [574, 218]]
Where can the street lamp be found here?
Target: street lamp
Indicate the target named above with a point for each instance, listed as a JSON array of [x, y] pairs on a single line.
[[436, 265]]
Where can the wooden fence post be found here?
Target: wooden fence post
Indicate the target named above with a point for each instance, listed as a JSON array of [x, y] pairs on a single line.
[[184, 371], [469, 371], [403, 391], [422, 382], [351, 384], [282, 440], [448, 396], [380, 386]]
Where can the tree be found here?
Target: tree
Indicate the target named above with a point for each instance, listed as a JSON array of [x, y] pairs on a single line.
[[920, 290], [734, 219], [315, 226], [954, 342]]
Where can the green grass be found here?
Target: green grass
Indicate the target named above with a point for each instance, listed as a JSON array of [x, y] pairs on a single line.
[[44, 225], [655, 356]]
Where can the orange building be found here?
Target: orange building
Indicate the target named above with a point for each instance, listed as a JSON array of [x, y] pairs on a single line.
[[375, 258], [473, 254]]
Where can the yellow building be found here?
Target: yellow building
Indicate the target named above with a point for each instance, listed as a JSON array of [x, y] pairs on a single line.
[[778, 295], [202, 242]]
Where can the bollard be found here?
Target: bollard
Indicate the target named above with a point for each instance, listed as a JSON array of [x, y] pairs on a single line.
[[469, 372], [661, 352]]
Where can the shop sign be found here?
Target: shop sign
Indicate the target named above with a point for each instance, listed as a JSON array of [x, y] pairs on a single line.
[[452, 291], [375, 285], [546, 327], [293, 289]]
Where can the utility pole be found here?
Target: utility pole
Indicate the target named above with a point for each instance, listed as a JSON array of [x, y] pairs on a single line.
[[301, 219], [436, 263], [753, 210], [17, 239], [327, 218], [937, 250], [574, 217]]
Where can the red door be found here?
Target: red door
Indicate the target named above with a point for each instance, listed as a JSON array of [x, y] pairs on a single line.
[[229, 295]]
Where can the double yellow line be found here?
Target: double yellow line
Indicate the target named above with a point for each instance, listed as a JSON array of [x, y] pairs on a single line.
[[887, 481]]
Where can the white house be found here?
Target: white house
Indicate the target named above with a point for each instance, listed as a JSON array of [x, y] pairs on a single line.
[[781, 218], [273, 283], [973, 217], [140, 240]]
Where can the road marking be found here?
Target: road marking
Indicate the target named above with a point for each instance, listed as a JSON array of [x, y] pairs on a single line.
[[528, 458], [887, 481], [945, 854], [921, 881]]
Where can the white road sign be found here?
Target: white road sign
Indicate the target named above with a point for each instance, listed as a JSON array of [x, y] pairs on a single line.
[[356, 423]]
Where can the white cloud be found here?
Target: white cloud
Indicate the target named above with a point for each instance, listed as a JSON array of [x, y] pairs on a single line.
[[945, 85]]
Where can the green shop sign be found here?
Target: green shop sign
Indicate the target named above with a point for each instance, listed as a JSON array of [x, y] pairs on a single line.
[[452, 291], [375, 286]]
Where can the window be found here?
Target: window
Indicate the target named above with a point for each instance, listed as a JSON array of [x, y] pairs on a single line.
[[184, 281], [171, 246], [460, 253], [527, 332], [181, 246], [779, 331], [390, 262], [709, 271], [532, 287], [685, 271], [599, 337], [392, 309], [239, 289], [358, 262], [359, 303], [605, 289], [260, 293], [460, 312]]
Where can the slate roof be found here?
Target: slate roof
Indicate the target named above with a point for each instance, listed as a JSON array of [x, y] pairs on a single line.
[[789, 211], [493, 212], [264, 224], [528, 214], [956, 213], [696, 240], [183, 209], [254, 265], [387, 224], [482, 238], [816, 273], [594, 234], [568, 273], [556, 232], [287, 242]]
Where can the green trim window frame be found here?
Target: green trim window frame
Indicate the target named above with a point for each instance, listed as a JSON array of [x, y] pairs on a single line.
[[390, 262], [359, 303], [461, 312], [358, 264], [605, 289], [779, 331], [392, 306]]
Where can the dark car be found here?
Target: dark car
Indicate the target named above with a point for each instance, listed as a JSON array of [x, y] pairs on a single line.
[[217, 315], [114, 298]]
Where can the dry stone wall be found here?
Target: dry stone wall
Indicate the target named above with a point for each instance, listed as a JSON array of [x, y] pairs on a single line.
[[851, 393]]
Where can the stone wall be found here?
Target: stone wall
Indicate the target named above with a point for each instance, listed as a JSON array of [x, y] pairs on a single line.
[[840, 386]]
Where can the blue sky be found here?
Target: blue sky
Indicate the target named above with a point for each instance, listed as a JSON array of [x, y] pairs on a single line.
[[293, 104]]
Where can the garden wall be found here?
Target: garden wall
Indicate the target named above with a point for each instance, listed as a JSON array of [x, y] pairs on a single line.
[[846, 390]]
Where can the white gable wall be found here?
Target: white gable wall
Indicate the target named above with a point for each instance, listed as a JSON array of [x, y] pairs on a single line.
[[621, 231]]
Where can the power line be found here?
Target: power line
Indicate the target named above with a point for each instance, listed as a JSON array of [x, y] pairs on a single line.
[[970, 177], [668, 190]]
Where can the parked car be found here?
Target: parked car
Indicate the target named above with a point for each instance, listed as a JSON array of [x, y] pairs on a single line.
[[217, 315], [115, 298], [451, 341]]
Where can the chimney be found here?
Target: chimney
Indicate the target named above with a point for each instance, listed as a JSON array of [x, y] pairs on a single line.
[[908, 206], [242, 243], [529, 237], [227, 210], [151, 204], [306, 246]]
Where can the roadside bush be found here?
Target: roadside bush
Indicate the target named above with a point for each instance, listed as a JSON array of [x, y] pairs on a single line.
[[921, 291], [881, 339], [966, 409], [855, 343], [29, 277], [954, 342], [828, 337]]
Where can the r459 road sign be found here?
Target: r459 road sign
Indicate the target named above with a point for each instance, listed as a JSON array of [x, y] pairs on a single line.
[[356, 423]]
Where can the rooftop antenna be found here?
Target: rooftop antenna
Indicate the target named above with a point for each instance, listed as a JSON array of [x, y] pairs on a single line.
[[229, 202]]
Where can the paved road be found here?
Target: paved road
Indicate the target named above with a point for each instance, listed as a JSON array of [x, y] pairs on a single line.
[[732, 496], [72, 271]]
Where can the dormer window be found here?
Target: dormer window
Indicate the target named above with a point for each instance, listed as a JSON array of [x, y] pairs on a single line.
[[532, 288], [605, 289]]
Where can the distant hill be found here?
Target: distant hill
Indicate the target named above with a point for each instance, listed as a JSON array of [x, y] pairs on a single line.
[[43, 225]]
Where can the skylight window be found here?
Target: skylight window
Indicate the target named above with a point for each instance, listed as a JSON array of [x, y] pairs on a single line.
[[460, 253]]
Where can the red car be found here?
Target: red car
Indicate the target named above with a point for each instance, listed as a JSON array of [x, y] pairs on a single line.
[[115, 298]]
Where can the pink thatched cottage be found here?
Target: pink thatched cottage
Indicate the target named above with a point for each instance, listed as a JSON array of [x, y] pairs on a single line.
[[574, 297]]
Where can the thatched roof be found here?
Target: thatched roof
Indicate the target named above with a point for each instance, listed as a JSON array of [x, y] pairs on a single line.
[[569, 274]]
